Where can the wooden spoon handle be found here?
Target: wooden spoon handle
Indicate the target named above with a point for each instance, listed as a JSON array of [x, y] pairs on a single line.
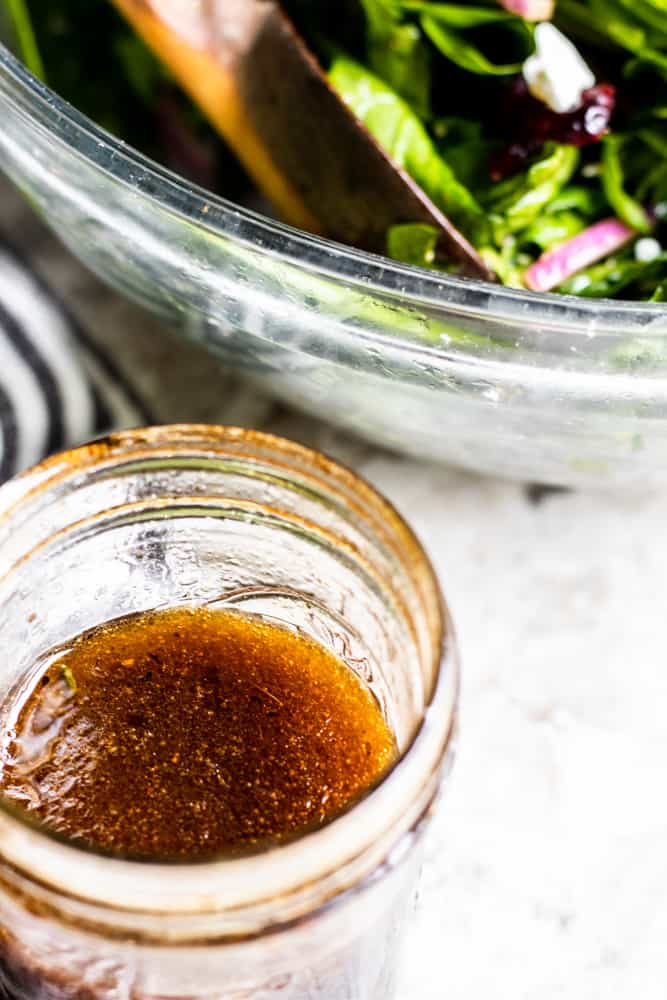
[[252, 75]]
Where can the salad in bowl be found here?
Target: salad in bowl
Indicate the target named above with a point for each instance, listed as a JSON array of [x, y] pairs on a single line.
[[246, 170], [521, 141]]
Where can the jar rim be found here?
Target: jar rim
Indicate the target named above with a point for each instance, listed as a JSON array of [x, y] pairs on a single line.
[[303, 874]]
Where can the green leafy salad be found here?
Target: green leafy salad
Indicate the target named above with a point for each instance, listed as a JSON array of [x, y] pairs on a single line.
[[539, 127]]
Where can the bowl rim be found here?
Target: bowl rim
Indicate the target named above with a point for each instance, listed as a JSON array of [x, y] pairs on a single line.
[[216, 214]]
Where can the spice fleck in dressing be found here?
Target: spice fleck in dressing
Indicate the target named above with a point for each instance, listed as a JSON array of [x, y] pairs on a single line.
[[187, 732]]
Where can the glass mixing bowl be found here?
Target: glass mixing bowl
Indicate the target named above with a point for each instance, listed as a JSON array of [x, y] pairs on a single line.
[[531, 386]]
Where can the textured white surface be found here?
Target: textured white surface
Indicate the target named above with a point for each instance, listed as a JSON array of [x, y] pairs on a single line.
[[547, 868]]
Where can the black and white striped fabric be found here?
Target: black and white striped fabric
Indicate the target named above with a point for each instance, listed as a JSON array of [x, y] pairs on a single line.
[[56, 388]]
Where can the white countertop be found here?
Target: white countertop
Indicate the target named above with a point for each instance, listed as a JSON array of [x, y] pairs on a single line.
[[547, 868]]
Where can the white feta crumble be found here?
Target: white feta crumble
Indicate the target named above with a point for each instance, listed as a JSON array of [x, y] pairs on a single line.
[[647, 249], [579, 282], [556, 73]]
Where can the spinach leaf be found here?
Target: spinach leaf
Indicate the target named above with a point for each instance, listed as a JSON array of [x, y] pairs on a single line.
[[653, 58], [413, 243], [551, 228], [25, 36], [614, 275], [647, 14], [405, 139], [459, 15], [462, 145], [453, 45], [382, 15], [630, 28], [653, 186], [638, 26], [79, 43], [656, 140], [504, 263], [514, 204], [402, 59], [621, 27], [625, 206], [578, 21], [586, 201], [397, 53], [445, 23]]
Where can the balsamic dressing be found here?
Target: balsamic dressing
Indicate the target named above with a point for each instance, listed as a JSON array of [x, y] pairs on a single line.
[[191, 732]]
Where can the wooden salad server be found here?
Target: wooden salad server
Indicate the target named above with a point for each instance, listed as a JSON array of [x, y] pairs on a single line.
[[243, 63]]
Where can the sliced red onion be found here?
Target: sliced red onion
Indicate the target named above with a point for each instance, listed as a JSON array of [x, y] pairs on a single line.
[[530, 10], [587, 247]]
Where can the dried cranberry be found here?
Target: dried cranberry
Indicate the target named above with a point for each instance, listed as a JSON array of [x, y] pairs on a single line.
[[510, 160], [530, 123]]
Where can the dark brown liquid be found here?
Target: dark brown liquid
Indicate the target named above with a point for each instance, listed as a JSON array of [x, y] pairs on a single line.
[[188, 732]]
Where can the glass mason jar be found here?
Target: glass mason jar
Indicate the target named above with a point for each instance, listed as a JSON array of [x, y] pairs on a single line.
[[236, 519]]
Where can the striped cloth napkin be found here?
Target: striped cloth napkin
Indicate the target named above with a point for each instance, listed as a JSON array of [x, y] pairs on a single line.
[[57, 389]]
